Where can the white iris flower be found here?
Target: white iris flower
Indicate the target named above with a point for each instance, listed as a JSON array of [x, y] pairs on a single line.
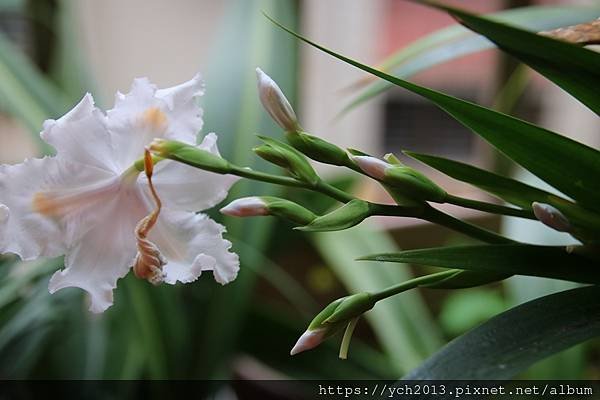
[[86, 201]]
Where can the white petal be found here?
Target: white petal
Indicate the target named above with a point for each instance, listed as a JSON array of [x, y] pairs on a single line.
[[4, 215], [146, 113], [104, 254], [192, 243], [183, 109], [182, 187], [81, 136], [30, 231]]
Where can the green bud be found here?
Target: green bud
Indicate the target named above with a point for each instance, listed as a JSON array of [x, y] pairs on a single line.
[[272, 155], [410, 183], [351, 307], [190, 155], [332, 319], [317, 148], [414, 184], [254, 206], [288, 210], [287, 157], [347, 216]]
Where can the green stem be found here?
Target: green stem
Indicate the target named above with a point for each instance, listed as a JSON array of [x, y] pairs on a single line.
[[411, 284], [432, 215], [422, 211], [319, 186], [489, 207], [264, 177], [333, 192]]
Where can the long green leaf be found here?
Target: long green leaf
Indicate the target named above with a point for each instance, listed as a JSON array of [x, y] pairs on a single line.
[[518, 259], [569, 166], [25, 92], [508, 189], [512, 341], [455, 41], [574, 68]]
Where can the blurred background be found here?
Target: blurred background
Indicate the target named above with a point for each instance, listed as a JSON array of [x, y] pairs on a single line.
[[53, 51]]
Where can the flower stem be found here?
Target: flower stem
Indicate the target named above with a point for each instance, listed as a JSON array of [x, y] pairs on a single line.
[[411, 284], [422, 211], [432, 215], [264, 177], [489, 207]]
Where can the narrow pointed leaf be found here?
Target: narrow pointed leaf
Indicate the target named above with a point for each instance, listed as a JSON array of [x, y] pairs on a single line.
[[574, 68], [507, 189], [456, 41], [518, 259], [510, 190], [569, 166], [509, 343]]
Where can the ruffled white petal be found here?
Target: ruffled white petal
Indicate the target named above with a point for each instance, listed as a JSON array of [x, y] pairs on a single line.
[[183, 110], [33, 228], [105, 253], [81, 136], [192, 243], [182, 187], [146, 113], [4, 215]]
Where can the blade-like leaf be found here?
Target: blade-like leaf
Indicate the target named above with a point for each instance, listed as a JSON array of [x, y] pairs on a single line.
[[507, 189], [567, 165], [574, 68], [455, 41], [512, 341], [518, 259], [25, 92]]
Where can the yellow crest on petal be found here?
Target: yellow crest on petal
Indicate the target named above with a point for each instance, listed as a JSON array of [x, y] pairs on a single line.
[[154, 118]]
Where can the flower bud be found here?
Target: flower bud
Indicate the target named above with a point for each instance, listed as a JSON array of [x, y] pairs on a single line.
[[275, 102], [273, 155], [551, 217], [374, 167], [287, 157], [268, 205], [332, 319], [246, 207], [309, 340], [190, 155], [347, 216], [317, 148], [412, 183]]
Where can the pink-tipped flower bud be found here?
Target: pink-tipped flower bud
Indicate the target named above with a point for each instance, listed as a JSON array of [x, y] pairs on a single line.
[[246, 207], [374, 167], [269, 205], [338, 314], [309, 340], [551, 217], [275, 102], [396, 176]]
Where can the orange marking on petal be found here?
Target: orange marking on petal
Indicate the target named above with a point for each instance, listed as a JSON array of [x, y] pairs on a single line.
[[154, 118], [46, 205]]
